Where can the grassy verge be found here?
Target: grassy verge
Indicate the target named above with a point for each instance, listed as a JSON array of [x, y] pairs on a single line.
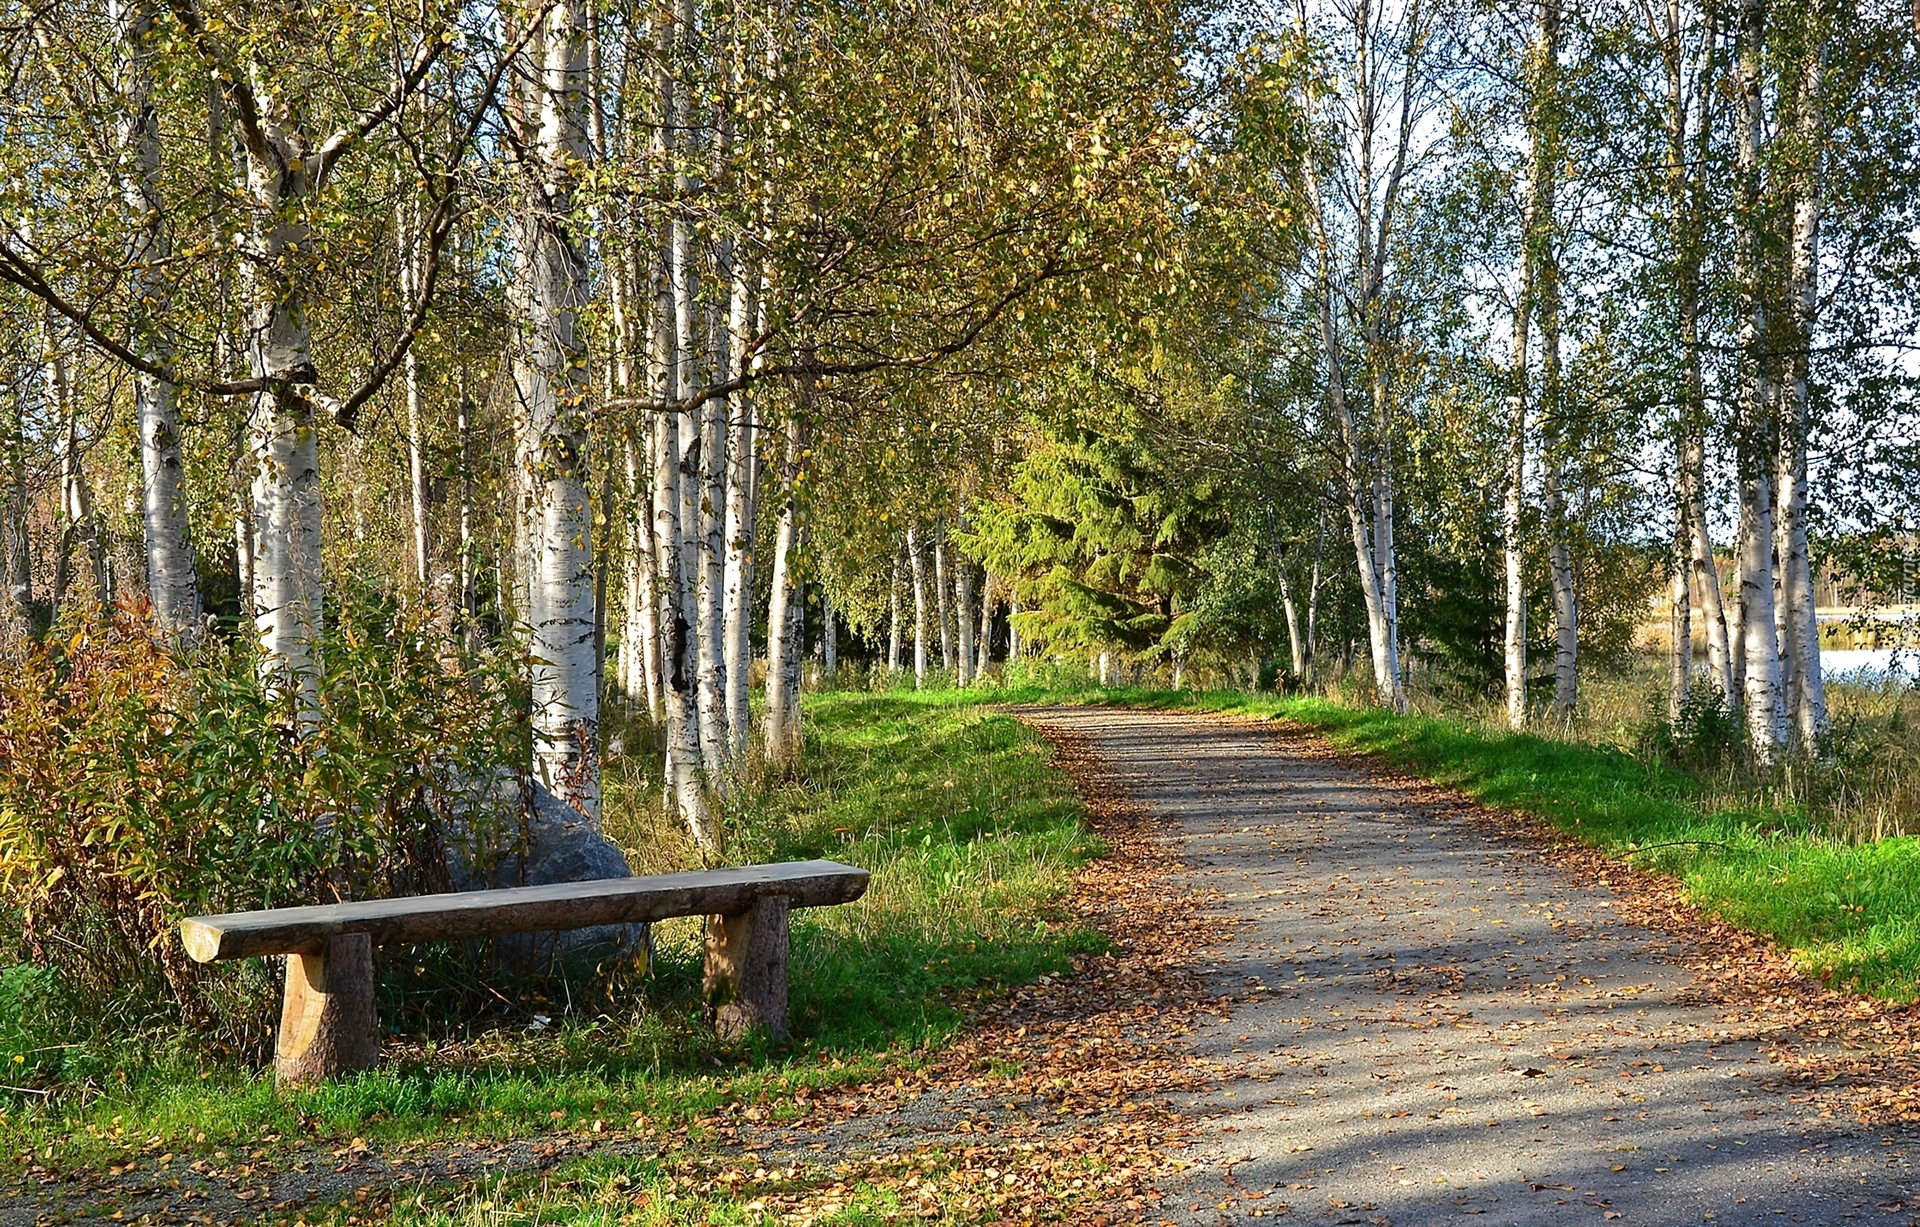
[[1849, 912], [972, 836]]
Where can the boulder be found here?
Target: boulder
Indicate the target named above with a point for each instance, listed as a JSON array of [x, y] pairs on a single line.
[[562, 845]]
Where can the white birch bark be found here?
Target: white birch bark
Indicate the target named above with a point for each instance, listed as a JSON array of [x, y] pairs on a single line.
[[1369, 112], [963, 619], [1566, 609], [710, 472], [641, 643], [550, 377], [742, 515], [678, 665], [1513, 501], [16, 610], [983, 644], [469, 562], [407, 227], [893, 618], [784, 627], [940, 580], [917, 558], [173, 582], [1765, 703], [1800, 641], [829, 638]]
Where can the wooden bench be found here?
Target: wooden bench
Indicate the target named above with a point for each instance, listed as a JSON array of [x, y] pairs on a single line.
[[327, 1023]]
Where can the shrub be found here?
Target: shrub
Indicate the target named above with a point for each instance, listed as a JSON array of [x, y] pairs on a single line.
[[140, 784]]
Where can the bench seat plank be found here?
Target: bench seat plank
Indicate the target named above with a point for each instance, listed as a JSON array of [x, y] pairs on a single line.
[[521, 909]]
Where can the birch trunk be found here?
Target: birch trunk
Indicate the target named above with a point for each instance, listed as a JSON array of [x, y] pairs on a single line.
[[678, 665], [173, 583], [984, 644], [829, 639], [963, 618], [1377, 112], [742, 514], [1801, 639], [283, 433], [1566, 609], [550, 376], [710, 516], [640, 646], [1013, 627], [80, 527], [469, 562], [1513, 502], [783, 609], [1296, 632], [1308, 676], [1764, 701], [410, 277], [940, 595], [16, 616], [893, 619], [916, 556]]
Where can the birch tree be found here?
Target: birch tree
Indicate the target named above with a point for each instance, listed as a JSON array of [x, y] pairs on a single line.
[[1374, 115], [553, 390]]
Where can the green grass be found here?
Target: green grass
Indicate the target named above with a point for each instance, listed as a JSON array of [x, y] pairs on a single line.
[[970, 832], [1848, 912]]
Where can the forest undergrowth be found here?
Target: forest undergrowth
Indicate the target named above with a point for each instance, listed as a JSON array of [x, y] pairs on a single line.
[[971, 831]]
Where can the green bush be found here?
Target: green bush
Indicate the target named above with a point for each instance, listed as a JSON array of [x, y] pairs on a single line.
[[140, 783]]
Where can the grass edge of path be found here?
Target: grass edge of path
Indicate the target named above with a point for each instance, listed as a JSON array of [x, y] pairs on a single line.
[[1848, 914]]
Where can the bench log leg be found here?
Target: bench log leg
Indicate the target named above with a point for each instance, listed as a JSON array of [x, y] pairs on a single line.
[[746, 971], [327, 1024]]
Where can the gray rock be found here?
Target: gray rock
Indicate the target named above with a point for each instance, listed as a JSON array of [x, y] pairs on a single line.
[[562, 845]]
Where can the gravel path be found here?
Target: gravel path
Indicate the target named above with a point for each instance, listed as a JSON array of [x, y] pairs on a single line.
[[1435, 1022]]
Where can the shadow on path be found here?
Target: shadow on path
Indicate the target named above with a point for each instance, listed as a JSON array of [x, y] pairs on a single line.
[[1435, 1023]]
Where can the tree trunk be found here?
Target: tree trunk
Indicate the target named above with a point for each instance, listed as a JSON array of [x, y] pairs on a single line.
[[940, 594], [640, 645], [1545, 287], [1566, 610], [283, 433], [1765, 703], [893, 618], [173, 583], [1374, 594], [1513, 502], [678, 682], [410, 277], [79, 526], [963, 621], [983, 646], [550, 378], [16, 615], [742, 513], [917, 557], [469, 562], [1807, 698], [829, 638], [783, 610]]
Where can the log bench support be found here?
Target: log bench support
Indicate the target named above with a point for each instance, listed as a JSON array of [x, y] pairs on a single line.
[[327, 1021], [746, 970]]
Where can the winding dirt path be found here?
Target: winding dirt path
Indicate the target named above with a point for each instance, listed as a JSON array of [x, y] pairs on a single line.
[[1434, 1021]]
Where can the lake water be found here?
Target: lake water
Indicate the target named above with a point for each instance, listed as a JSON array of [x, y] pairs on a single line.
[[1882, 665]]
